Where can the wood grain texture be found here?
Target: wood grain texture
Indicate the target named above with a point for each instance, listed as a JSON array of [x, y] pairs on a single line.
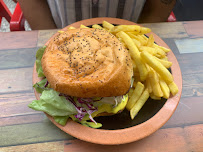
[[44, 35], [170, 140], [189, 45], [190, 63], [188, 112], [22, 119], [39, 147], [31, 133], [14, 109], [193, 28], [15, 40], [168, 29], [16, 80], [16, 104], [194, 137], [192, 72], [17, 58]]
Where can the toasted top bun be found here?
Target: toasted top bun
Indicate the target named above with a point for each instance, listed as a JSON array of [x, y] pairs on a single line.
[[87, 63]]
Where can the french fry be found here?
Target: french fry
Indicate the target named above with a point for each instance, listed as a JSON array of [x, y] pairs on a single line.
[[137, 43], [166, 50], [165, 63], [157, 66], [148, 85], [173, 88], [152, 96], [83, 26], [139, 104], [133, 33], [154, 80], [71, 28], [144, 37], [160, 53], [150, 50], [150, 41], [145, 30], [97, 26], [144, 42], [135, 95], [164, 88], [126, 28], [60, 32], [164, 58], [135, 54], [107, 25], [135, 39]]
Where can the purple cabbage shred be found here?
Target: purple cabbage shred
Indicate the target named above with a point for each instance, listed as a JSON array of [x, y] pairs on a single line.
[[82, 111]]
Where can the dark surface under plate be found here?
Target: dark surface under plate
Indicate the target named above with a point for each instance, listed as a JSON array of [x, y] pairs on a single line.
[[123, 120]]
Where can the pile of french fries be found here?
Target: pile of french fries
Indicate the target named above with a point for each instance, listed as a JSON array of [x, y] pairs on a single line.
[[150, 65]]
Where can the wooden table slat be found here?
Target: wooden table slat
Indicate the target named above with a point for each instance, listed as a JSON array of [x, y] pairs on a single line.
[[16, 80], [168, 30], [17, 58], [193, 28], [57, 146], [15, 40]]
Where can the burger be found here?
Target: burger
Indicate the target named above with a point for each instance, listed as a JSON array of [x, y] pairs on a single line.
[[85, 73]]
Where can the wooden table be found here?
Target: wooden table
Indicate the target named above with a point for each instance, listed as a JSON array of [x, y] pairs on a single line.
[[22, 129]]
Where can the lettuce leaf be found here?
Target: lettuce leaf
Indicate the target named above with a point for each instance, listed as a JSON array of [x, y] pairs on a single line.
[[91, 124], [39, 86], [61, 119], [53, 104], [39, 55]]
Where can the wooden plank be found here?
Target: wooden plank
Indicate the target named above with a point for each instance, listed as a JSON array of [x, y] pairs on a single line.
[[190, 63], [194, 137], [17, 58], [189, 45], [192, 85], [31, 133], [192, 71], [172, 45], [44, 35], [188, 112], [14, 109], [192, 91], [15, 40], [193, 28], [16, 104], [57, 146], [170, 140], [16, 80], [168, 29], [22, 119]]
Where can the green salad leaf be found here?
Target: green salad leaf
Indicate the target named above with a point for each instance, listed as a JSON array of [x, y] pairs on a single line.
[[91, 124], [39, 86], [39, 55], [53, 104], [61, 119]]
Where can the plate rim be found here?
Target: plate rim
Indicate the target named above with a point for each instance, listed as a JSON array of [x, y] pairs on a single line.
[[127, 135]]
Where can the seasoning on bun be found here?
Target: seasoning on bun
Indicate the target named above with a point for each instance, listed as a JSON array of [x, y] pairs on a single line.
[[87, 63]]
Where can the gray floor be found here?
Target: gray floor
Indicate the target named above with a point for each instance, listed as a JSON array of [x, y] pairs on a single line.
[[5, 27]]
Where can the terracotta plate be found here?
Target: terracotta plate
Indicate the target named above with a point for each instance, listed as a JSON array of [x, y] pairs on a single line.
[[120, 129]]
